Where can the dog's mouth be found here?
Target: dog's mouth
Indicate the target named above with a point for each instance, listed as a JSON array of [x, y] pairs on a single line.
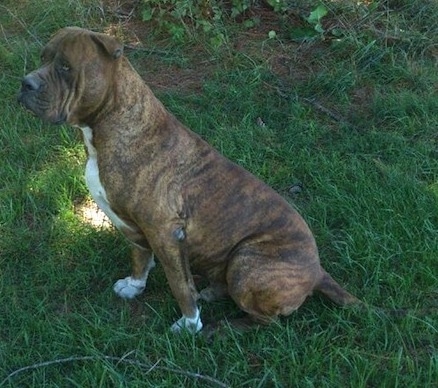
[[28, 102], [24, 105], [23, 100]]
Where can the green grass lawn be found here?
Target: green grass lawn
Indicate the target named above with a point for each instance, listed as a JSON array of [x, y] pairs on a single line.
[[350, 115]]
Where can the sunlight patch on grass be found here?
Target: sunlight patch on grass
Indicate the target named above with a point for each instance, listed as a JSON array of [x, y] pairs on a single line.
[[90, 214]]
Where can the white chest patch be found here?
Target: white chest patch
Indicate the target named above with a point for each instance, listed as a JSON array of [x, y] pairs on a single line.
[[93, 181]]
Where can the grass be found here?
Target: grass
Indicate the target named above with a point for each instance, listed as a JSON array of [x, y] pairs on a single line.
[[353, 119]]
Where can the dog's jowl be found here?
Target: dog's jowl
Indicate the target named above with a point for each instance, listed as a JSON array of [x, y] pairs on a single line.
[[172, 195]]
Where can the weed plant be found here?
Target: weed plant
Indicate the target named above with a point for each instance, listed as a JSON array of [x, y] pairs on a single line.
[[347, 114]]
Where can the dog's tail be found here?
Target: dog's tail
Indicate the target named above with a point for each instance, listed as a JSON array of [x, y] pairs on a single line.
[[330, 287]]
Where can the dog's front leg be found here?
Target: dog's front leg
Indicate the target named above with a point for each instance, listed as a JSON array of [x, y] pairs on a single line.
[[184, 291], [179, 276], [142, 263]]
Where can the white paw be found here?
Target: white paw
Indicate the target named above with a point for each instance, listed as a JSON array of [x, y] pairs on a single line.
[[192, 325], [129, 288]]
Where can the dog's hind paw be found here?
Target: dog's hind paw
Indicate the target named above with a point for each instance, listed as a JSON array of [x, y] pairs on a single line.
[[128, 287], [192, 325], [213, 293]]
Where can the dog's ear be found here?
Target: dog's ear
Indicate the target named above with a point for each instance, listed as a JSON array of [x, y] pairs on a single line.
[[109, 44]]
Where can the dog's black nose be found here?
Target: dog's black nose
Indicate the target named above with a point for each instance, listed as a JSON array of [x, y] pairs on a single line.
[[30, 83]]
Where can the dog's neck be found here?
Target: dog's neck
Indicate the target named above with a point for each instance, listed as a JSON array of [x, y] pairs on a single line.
[[146, 108]]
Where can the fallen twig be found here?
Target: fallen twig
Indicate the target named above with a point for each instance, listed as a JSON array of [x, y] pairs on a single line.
[[330, 113], [316, 105], [333, 115], [117, 360]]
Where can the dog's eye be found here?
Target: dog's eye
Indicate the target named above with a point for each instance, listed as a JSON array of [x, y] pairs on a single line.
[[63, 67]]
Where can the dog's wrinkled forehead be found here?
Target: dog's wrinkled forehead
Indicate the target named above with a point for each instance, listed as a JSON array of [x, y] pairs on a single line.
[[65, 42], [77, 44]]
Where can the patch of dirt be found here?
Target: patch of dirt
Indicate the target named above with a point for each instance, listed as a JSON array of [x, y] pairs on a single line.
[[290, 61], [284, 60]]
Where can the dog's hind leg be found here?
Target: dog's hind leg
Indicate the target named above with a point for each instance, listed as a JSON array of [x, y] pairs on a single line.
[[142, 263], [330, 288]]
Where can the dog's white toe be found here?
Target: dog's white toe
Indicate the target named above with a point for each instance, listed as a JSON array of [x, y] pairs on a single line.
[[128, 287], [192, 325]]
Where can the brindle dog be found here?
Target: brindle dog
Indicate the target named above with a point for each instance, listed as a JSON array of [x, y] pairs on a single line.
[[170, 193]]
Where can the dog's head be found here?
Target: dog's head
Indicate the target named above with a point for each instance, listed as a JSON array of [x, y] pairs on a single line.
[[75, 79]]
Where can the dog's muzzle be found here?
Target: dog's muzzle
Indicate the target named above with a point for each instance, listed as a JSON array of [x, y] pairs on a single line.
[[30, 87], [33, 96]]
